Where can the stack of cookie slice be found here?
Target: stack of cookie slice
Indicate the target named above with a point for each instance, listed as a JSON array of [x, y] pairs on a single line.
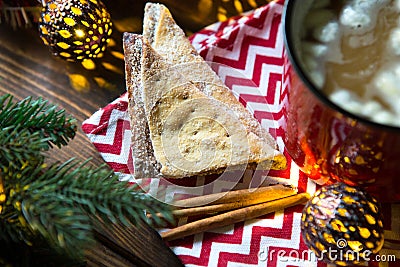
[[185, 122]]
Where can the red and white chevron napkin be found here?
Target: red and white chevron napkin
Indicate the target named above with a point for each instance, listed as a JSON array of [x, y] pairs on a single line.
[[250, 47]]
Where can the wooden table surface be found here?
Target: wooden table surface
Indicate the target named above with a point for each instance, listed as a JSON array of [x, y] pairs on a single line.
[[28, 69]]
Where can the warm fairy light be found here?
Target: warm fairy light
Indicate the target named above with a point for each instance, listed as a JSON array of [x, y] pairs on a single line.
[[80, 33], [88, 64], [74, 29], [3, 196], [79, 82]]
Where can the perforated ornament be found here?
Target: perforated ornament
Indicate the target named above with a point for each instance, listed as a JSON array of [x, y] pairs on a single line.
[[75, 29], [343, 225]]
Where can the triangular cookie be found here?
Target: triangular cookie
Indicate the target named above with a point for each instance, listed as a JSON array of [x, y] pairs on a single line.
[[156, 114], [145, 163], [191, 133], [185, 121], [166, 37], [169, 40]]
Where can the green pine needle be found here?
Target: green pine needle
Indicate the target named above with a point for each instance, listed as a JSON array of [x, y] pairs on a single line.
[[58, 205], [37, 116], [19, 147]]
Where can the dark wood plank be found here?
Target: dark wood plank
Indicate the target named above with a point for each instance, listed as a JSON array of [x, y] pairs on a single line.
[[132, 243], [28, 69]]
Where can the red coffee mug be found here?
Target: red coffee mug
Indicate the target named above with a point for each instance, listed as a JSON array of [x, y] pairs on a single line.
[[327, 142]]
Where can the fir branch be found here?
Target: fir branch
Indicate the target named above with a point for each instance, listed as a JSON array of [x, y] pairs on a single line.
[[38, 116], [13, 185], [60, 204], [57, 205], [20, 147], [66, 228]]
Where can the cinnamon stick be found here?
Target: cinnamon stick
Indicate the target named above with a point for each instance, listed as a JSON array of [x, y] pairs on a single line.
[[234, 216], [258, 195], [239, 201]]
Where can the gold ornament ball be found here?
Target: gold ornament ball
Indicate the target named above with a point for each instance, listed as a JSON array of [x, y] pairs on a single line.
[[343, 225], [76, 30]]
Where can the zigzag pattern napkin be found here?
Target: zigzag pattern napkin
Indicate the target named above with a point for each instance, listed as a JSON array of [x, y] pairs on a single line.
[[250, 48]]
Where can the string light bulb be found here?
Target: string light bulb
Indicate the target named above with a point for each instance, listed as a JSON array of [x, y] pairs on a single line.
[[75, 30]]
